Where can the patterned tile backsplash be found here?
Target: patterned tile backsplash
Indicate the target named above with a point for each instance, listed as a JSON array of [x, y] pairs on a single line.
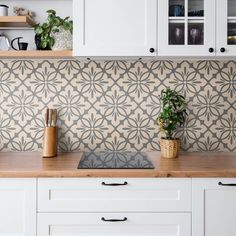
[[112, 105]]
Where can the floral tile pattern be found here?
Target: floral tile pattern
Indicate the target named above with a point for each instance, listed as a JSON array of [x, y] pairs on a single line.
[[113, 105]]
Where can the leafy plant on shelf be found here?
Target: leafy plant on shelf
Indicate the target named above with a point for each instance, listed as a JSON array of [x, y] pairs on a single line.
[[52, 25], [173, 112]]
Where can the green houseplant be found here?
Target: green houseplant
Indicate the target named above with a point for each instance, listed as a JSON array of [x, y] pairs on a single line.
[[172, 116], [45, 32]]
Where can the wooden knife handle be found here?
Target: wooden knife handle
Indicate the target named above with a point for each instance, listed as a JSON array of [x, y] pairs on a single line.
[[50, 117], [46, 117], [55, 117]]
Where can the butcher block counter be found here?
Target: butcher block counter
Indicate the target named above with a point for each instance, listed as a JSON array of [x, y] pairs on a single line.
[[65, 165]]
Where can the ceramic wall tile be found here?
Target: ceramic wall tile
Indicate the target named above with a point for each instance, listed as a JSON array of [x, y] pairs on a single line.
[[113, 105]]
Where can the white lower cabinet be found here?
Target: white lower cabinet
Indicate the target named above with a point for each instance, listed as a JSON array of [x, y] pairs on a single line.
[[117, 206], [17, 207], [118, 224], [114, 206], [214, 207]]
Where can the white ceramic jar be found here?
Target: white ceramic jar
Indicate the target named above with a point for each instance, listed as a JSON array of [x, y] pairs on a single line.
[[3, 10]]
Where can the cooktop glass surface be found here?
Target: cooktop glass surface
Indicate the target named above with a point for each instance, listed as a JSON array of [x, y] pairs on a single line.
[[115, 160]]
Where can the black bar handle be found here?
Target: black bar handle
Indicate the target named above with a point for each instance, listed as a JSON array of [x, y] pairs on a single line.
[[221, 184], [114, 220], [114, 184]]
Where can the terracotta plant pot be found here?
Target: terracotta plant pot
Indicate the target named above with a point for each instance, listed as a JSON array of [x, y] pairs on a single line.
[[169, 148]]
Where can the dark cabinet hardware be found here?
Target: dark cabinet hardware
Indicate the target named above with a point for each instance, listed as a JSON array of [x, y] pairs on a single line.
[[114, 220], [114, 184], [151, 50], [211, 50], [221, 184], [222, 50]]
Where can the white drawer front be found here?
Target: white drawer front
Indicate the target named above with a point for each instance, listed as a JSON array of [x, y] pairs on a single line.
[[89, 195], [90, 224]]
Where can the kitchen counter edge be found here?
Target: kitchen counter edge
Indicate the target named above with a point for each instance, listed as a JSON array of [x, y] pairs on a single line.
[[188, 165]]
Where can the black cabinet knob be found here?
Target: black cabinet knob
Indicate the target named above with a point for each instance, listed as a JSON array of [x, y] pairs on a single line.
[[222, 50], [211, 50], [151, 50]]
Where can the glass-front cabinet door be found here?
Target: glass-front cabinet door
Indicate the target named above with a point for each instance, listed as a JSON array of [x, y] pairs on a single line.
[[186, 28], [226, 27]]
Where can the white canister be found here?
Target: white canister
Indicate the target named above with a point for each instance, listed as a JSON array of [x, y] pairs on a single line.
[[3, 10]]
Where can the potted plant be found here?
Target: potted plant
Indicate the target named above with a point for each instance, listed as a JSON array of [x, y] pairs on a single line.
[[170, 119], [55, 33]]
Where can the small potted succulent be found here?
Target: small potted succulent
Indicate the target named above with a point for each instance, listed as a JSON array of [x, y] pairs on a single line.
[[172, 116], [55, 33]]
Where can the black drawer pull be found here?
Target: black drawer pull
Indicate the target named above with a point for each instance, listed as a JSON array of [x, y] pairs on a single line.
[[114, 184], [114, 220], [220, 183]]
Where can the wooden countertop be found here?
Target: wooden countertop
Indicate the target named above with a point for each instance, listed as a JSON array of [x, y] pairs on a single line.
[[65, 165]]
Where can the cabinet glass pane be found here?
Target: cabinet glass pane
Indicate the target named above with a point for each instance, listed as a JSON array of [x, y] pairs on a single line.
[[176, 33], [231, 7], [176, 8], [196, 8], [196, 34], [231, 33]]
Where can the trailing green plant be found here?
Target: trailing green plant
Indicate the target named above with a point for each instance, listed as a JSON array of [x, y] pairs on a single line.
[[52, 25], [173, 112]]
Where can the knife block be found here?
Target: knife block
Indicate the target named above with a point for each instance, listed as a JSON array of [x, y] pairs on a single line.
[[50, 142]]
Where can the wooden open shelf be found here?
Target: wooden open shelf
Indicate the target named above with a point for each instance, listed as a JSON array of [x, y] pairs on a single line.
[[16, 21], [26, 22], [36, 54]]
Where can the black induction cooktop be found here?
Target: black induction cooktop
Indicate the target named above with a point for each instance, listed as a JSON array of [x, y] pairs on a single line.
[[115, 160]]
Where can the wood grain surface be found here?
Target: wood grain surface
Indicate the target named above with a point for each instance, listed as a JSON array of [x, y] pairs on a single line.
[[65, 165], [36, 54]]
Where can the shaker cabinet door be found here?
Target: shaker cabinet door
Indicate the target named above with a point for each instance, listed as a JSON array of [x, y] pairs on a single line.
[[18, 207], [214, 208], [226, 27], [186, 27], [115, 28]]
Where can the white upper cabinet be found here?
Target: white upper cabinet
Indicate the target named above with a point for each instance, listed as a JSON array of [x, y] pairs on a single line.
[[186, 27], [18, 207], [226, 27], [115, 28]]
